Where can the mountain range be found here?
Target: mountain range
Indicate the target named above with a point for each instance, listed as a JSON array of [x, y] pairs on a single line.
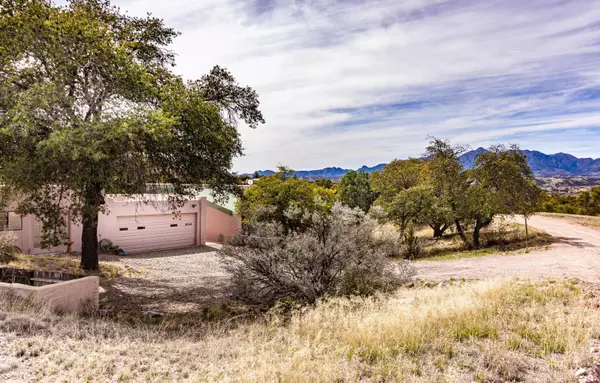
[[542, 165]]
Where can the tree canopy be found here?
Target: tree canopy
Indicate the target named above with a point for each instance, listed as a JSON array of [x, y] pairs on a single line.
[[284, 199], [500, 182], [89, 106], [355, 190], [398, 195], [439, 192]]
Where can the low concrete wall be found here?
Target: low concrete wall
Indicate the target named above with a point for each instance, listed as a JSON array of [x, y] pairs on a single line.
[[70, 296]]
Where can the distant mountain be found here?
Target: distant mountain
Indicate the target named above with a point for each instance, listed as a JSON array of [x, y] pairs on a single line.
[[332, 173], [542, 165], [561, 165], [468, 159], [548, 165]]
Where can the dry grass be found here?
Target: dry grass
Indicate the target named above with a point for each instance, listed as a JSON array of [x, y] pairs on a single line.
[[488, 331], [63, 263], [585, 220], [498, 238]]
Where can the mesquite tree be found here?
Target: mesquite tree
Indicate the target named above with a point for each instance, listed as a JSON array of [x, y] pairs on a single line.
[[500, 182], [90, 107]]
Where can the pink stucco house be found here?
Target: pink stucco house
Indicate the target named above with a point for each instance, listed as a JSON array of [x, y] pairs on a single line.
[[136, 227]]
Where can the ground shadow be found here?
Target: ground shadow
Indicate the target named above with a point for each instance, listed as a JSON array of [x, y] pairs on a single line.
[[165, 253], [575, 242], [135, 296]]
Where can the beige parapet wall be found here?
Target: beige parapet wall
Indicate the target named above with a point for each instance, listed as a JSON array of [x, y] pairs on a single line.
[[76, 295], [220, 225]]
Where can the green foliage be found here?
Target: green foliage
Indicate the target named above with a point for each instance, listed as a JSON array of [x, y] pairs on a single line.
[[325, 183], [398, 194], [8, 249], [285, 200], [409, 192], [396, 176], [585, 203], [439, 192], [507, 178], [500, 182], [355, 190], [89, 106]]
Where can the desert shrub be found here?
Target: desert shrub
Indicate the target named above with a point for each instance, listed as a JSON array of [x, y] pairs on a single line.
[[337, 255], [8, 249], [411, 243], [389, 241]]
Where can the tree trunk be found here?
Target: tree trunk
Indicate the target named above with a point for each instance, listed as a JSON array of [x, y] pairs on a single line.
[[89, 235], [89, 241], [476, 231], [461, 233], [526, 233], [479, 224], [438, 230]]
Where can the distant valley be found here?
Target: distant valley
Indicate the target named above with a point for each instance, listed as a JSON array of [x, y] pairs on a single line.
[[560, 165]]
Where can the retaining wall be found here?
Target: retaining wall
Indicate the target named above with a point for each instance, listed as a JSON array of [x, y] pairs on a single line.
[[70, 296]]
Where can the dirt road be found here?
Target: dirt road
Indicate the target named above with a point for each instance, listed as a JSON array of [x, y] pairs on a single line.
[[574, 253]]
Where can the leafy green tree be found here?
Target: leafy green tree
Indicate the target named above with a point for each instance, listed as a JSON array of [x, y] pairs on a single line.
[[283, 199], [399, 195], [89, 107], [435, 211], [405, 206], [355, 190], [502, 183], [396, 176], [448, 180], [588, 202]]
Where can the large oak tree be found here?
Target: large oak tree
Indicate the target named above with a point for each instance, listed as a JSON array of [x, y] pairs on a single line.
[[89, 106]]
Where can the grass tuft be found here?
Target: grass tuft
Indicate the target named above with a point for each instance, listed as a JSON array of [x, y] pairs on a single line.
[[63, 263]]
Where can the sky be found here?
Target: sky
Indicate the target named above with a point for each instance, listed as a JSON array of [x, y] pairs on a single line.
[[360, 82]]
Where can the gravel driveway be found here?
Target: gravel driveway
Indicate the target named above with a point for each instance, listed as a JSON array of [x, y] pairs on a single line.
[[167, 281], [575, 253]]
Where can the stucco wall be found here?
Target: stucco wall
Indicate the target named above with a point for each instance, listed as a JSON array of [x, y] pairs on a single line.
[[23, 236], [121, 206], [220, 223], [69, 296]]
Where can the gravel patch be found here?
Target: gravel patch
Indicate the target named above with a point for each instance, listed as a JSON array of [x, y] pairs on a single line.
[[179, 280]]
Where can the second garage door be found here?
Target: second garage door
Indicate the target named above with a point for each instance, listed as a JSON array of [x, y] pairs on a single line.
[[154, 232]]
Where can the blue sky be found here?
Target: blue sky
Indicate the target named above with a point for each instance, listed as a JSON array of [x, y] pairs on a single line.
[[347, 83]]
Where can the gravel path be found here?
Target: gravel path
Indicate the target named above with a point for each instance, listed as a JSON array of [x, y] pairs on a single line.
[[167, 281], [574, 253]]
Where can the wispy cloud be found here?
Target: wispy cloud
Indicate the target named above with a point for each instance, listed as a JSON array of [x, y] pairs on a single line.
[[352, 82]]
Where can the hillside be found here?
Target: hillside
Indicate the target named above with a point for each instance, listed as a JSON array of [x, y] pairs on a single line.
[[543, 165]]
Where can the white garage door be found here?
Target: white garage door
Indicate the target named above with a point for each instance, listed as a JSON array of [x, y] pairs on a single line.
[[153, 232]]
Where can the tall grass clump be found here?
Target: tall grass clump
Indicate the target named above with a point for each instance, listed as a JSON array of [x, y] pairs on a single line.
[[411, 243], [8, 247], [488, 331], [337, 255]]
